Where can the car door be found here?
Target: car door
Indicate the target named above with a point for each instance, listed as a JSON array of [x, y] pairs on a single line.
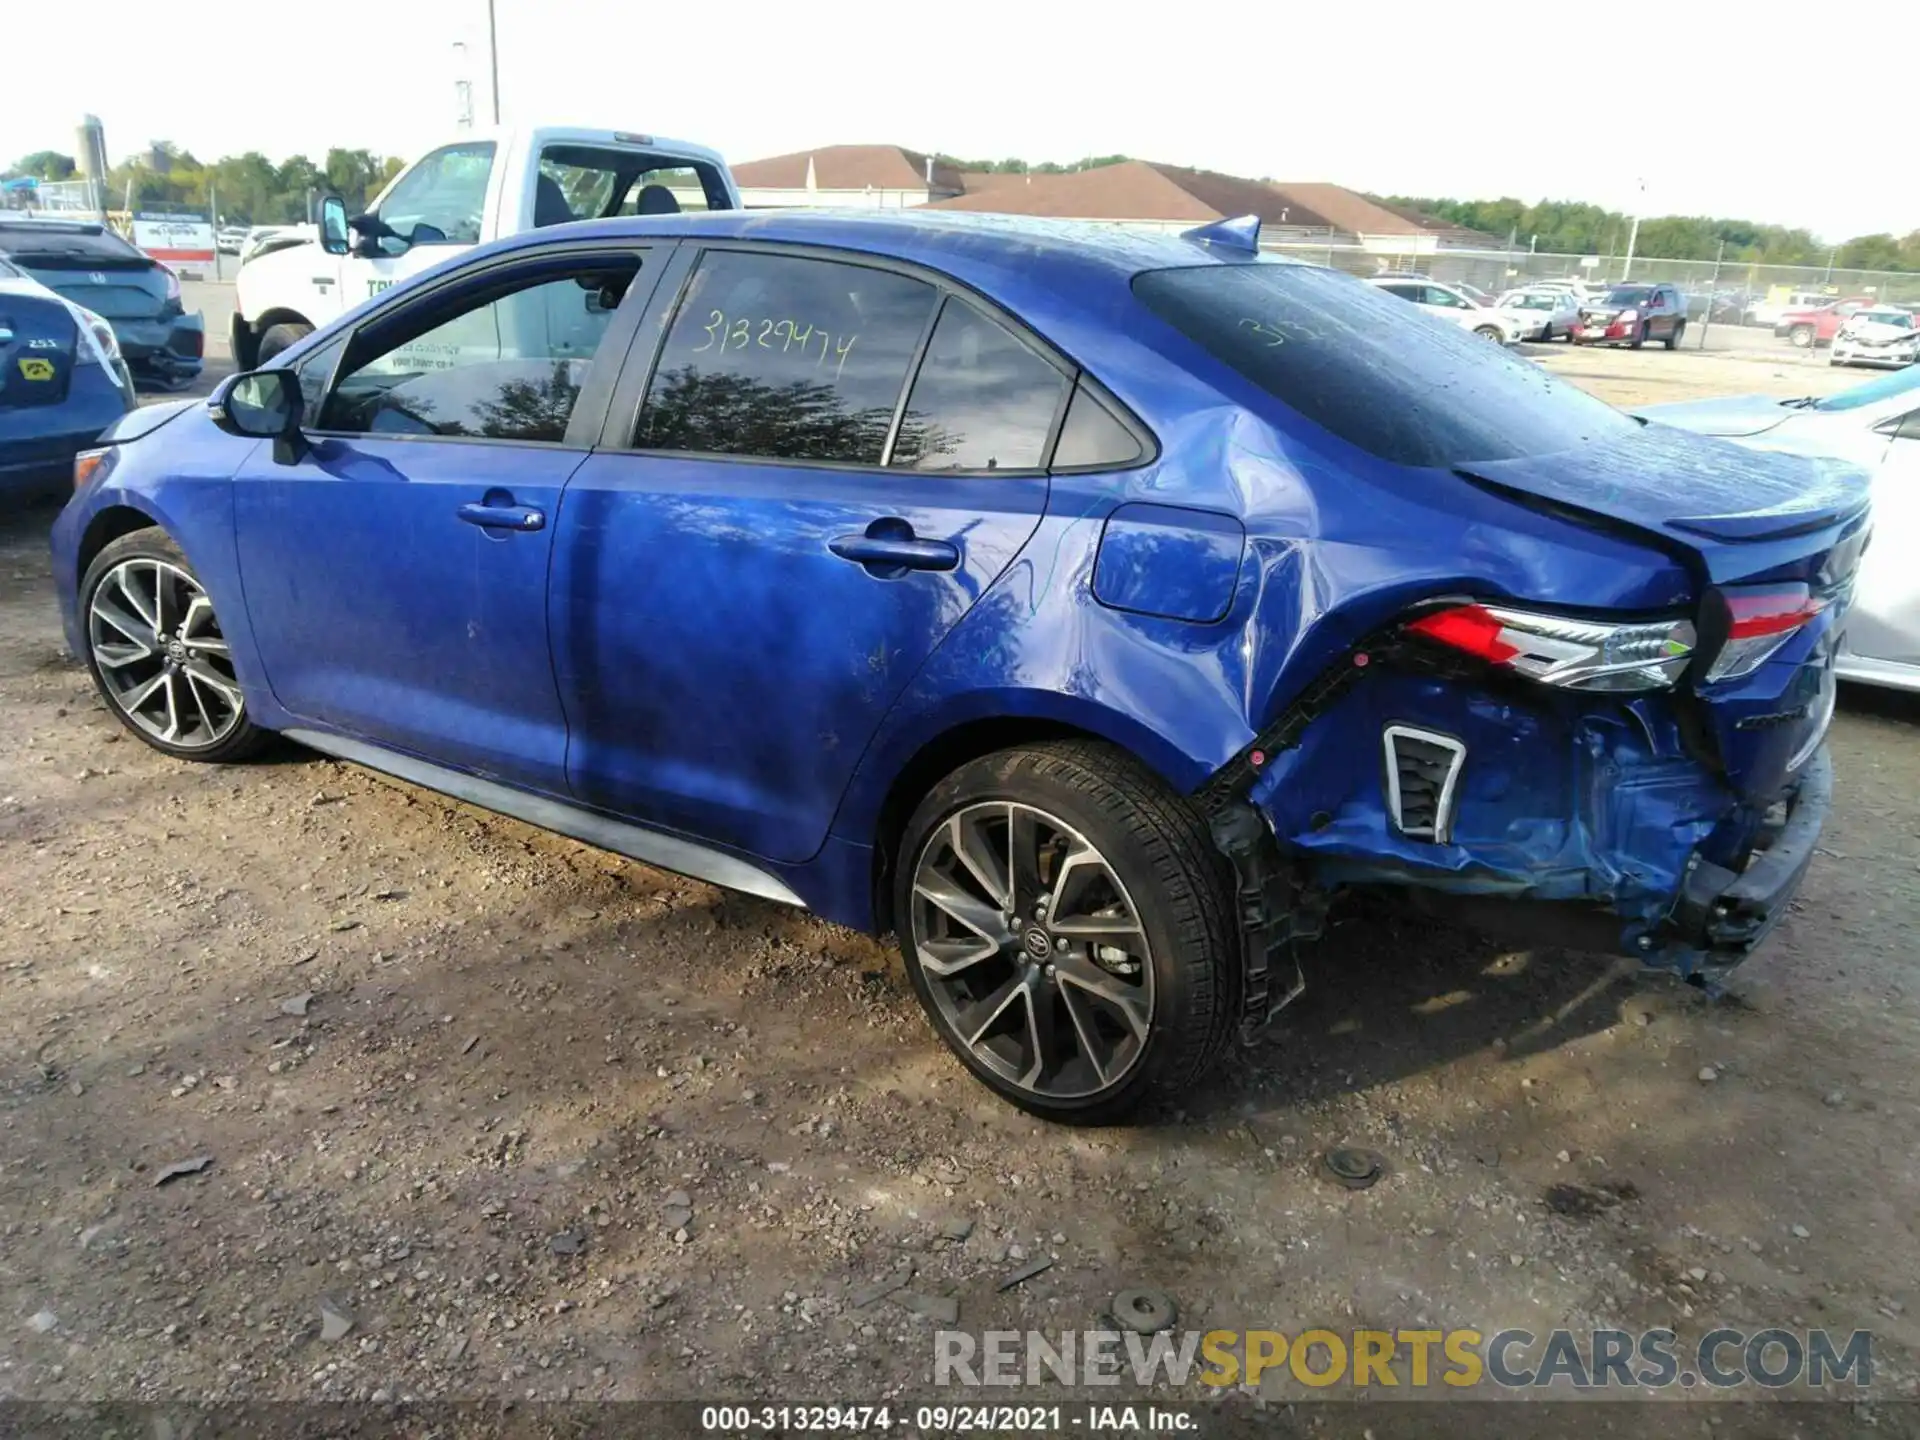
[[396, 570], [754, 567], [435, 209], [1885, 620]]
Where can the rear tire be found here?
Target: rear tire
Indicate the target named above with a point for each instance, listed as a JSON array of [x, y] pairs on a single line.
[[1102, 849], [1801, 337], [282, 337], [1639, 337], [1672, 342], [157, 654]]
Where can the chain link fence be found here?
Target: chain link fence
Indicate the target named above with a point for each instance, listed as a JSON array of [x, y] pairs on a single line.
[[1733, 286]]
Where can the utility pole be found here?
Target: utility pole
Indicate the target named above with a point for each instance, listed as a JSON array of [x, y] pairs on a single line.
[[1713, 287], [1633, 234], [493, 60]]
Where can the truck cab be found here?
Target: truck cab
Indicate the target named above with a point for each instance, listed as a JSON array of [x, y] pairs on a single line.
[[479, 187]]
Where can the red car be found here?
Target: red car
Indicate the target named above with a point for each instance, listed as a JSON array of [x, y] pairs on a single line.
[[1818, 326]]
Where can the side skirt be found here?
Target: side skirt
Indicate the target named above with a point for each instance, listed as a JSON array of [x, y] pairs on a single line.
[[650, 847]]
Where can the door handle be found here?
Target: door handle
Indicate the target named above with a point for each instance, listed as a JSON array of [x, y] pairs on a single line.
[[502, 517], [892, 551]]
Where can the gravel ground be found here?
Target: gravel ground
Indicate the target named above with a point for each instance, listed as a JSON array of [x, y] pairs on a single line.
[[490, 1115]]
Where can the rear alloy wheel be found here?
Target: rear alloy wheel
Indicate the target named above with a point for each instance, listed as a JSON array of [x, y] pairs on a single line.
[[1801, 337], [158, 655], [1065, 924]]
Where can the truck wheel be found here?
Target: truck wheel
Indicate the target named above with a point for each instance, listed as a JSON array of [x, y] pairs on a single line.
[[1067, 924], [282, 337], [1801, 337], [1672, 341]]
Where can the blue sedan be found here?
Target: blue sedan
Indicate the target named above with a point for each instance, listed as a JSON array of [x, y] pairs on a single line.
[[1089, 609], [62, 382]]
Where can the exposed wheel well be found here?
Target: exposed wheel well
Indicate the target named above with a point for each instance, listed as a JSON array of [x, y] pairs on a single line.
[[939, 758], [256, 328], [105, 528]]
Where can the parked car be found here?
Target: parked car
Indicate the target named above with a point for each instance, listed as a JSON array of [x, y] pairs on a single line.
[[62, 382], [264, 240], [1633, 314], [1818, 326], [1884, 335], [479, 187], [1552, 313], [139, 297], [1449, 303], [1780, 300], [1125, 598], [1875, 425], [229, 238]]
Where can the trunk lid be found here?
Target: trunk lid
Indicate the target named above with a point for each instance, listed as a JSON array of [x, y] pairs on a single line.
[[1730, 415], [38, 335], [1738, 512], [1754, 525]]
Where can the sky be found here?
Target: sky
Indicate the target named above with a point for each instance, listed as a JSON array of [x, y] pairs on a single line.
[[1671, 108]]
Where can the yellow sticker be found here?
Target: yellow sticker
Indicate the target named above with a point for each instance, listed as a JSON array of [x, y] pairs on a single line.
[[35, 369]]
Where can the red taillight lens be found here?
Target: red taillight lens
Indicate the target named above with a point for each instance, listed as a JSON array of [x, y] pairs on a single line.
[[1471, 628], [1759, 622], [1573, 652]]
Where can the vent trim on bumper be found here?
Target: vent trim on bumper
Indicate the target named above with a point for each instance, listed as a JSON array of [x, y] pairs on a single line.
[[1422, 777]]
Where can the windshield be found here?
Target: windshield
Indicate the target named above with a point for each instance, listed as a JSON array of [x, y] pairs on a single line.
[[1358, 361], [1628, 294], [1533, 302], [1897, 318], [1883, 387]]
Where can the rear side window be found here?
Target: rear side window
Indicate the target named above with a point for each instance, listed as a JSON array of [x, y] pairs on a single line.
[[1091, 437], [786, 358], [982, 400], [1400, 384]]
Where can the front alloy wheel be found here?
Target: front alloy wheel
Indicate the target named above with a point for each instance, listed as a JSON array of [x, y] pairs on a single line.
[[158, 654]]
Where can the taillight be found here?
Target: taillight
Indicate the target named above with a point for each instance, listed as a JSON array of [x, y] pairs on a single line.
[[1759, 622], [1575, 654], [173, 283]]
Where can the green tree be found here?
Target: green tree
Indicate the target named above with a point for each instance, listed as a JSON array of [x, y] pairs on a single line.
[[44, 165]]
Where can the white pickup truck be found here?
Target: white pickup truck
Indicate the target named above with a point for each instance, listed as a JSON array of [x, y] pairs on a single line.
[[478, 188]]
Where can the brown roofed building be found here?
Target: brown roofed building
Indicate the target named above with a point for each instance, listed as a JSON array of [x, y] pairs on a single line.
[[867, 176]]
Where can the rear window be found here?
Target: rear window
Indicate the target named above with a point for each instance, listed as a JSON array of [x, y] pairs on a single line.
[[1629, 294], [1378, 373], [26, 244]]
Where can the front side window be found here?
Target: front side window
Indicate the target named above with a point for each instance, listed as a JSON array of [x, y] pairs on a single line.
[[441, 200], [506, 367], [786, 358], [1340, 354], [1445, 299], [982, 400]]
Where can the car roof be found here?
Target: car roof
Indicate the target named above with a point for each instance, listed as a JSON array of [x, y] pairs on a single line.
[[993, 251]]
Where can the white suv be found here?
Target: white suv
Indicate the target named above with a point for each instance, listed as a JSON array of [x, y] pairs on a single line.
[[1465, 312]]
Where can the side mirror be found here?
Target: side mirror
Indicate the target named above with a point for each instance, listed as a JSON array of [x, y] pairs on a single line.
[[263, 405], [333, 225]]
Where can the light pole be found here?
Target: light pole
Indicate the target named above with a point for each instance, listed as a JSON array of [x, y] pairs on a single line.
[[1633, 233], [493, 60]]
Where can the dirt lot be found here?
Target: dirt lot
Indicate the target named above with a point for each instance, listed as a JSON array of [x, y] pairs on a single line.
[[451, 1071]]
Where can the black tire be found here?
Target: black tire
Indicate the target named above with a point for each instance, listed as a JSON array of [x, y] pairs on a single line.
[[281, 337], [1672, 342], [1639, 337], [1180, 886], [245, 738], [1546, 334], [1491, 332], [1801, 337]]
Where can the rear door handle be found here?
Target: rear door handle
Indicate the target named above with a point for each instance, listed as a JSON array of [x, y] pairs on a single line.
[[894, 551], [502, 517]]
